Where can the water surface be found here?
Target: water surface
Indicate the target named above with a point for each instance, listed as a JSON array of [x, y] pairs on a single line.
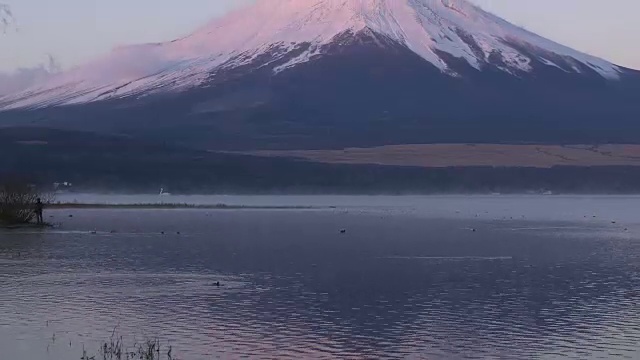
[[411, 277]]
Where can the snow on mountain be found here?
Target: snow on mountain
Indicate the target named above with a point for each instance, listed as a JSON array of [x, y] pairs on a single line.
[[277, 27]]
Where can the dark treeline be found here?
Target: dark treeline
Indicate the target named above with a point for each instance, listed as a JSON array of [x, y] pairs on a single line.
[[99, 163]]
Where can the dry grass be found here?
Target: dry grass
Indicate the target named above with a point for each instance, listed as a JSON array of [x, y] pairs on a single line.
[[115, 349], [451, 155], [17, 202]]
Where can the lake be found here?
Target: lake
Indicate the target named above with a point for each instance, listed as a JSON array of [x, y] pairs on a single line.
[[412, 277]]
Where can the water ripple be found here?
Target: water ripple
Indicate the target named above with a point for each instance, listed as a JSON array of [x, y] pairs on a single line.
[[377, 293]]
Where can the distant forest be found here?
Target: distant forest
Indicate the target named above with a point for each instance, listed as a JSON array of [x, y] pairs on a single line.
[[120, 164]]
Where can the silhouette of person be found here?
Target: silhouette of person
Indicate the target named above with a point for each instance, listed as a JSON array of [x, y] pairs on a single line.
[[39, 208]]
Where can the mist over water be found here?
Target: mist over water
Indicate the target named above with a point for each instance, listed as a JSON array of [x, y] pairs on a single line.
[[411, 277], [532, 207]]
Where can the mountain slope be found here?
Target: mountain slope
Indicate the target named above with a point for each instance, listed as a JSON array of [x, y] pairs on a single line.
[[427, 27], [339, 73]]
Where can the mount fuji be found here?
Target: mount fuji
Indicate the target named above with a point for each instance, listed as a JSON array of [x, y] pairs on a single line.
[[339, 73]]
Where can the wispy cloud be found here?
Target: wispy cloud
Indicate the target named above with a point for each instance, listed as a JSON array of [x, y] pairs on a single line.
[[23, 78], [7, 21]]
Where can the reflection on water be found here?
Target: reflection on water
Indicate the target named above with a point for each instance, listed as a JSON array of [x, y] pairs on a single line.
[[293, 286]]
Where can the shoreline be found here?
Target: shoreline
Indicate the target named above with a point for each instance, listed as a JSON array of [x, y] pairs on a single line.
[[169, 206], [148, 206]]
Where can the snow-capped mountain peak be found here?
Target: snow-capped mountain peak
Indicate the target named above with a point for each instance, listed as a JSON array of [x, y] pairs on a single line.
[[429, 28]]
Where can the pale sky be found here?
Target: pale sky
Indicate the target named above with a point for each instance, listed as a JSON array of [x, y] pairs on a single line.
[[74, 31]]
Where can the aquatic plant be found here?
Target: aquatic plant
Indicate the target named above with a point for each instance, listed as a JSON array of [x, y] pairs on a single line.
[[115, 349]]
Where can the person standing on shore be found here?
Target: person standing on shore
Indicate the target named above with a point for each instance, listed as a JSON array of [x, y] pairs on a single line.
[[39, 209]]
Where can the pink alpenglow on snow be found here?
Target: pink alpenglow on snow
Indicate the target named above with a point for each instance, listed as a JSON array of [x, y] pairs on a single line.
[[426, 27]]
